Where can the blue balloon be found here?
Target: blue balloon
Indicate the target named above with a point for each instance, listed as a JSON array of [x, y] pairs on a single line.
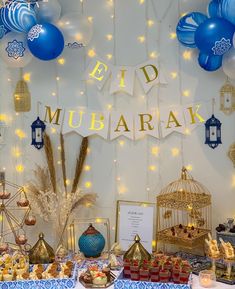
[[45, 41], [187, 27], [214, 8], [215, 36], [3, 29], [210, 62], [228, 10], [18, 17]]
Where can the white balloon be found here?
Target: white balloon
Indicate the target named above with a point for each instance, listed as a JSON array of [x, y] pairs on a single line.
[[48, 11], [76, 28], [228, 63], [14, 50]]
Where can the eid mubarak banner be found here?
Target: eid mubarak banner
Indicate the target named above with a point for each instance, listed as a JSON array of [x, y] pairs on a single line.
[[122, 77], [111, 125]]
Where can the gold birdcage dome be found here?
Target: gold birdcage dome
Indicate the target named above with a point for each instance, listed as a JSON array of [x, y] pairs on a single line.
[[184, 212]]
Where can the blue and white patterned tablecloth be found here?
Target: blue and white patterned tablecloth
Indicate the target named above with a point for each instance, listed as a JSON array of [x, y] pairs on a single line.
[[195, 285]]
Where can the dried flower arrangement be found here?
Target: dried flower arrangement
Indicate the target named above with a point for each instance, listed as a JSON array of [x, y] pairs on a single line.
[[52, 203]]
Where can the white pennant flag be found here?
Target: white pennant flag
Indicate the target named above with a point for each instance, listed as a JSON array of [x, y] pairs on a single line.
[[86, 122], [150, 74], [53, 116], [121, 124], [195, 114], [98, 71], [146, 123], [172, 119], [122, 79]]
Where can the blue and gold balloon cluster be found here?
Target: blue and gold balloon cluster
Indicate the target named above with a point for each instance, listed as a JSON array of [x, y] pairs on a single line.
[[213, 35], [24, 32]]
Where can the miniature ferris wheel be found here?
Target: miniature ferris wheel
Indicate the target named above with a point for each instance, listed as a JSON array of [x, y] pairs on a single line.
[[15, 214]]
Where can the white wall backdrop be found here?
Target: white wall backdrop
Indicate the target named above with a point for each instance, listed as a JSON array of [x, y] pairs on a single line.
[[127, 170]]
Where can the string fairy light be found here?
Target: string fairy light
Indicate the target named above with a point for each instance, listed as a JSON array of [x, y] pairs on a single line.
[[156, 150], [90, 52], [117, 187]]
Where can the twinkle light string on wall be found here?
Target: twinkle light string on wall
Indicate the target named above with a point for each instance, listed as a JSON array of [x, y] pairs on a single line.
[[180, 92], [156, 149], [89, 166], [20, 138], [118, 179], [148, 167]]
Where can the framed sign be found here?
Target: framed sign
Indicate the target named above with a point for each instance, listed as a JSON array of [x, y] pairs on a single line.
[[135, 218]]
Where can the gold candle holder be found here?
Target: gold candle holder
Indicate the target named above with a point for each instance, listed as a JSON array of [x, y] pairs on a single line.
[[207, 278]]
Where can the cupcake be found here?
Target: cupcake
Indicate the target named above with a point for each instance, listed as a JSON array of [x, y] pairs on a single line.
[[67, 272], [25, 276], [106, 271], [7, 275], [38, 266], [100, 279], [20, 271]]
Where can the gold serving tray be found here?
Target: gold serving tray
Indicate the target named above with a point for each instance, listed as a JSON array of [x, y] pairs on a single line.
[[91, 285]]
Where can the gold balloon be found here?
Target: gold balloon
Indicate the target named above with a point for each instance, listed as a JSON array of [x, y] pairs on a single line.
[[42, 252], [137, 251]]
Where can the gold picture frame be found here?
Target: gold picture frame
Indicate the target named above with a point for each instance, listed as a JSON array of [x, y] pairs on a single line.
[[137, 203], [72, 231]]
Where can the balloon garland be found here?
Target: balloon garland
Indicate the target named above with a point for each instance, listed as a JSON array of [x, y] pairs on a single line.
[[27, 29], [213, 35]]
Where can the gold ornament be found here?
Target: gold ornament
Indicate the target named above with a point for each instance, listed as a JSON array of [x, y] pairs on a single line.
[[22, 97], [13, 223], [227, 97], [195, 214], [137, 251], [42, 252], [167, 214], [190, 204], [231, 153]]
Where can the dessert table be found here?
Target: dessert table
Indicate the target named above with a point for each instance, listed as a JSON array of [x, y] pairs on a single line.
[[195, 285]]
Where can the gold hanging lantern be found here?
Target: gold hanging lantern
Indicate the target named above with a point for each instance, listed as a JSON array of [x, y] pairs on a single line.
[[190, 205], [137, 251], [227, 97], [231, 153], [42, 252], [22, 96]]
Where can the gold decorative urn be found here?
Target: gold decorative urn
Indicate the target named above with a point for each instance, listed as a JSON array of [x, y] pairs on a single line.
[[137, 251], [42, 252]]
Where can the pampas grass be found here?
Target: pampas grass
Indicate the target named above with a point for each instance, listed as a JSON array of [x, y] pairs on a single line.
[[50, 161], [80, 163], [62, 156], [52, 203]]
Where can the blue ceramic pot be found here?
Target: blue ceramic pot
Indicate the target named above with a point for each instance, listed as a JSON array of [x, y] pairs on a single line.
[[91, 242]]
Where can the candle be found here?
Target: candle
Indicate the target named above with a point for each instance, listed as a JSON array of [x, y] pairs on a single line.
[[207, 278]]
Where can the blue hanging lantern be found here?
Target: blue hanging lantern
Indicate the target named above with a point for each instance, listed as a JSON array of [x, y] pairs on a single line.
[[213, 132], [38, 127]]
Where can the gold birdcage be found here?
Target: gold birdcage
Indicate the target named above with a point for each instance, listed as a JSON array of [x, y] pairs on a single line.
[[22, 97], [184, 213]]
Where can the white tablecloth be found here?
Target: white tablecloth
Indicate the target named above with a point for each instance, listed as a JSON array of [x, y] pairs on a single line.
[[195, 285]]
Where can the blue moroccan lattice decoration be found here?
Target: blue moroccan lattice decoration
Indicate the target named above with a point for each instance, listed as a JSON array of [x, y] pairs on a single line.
[[222, 46], [15, 49]]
